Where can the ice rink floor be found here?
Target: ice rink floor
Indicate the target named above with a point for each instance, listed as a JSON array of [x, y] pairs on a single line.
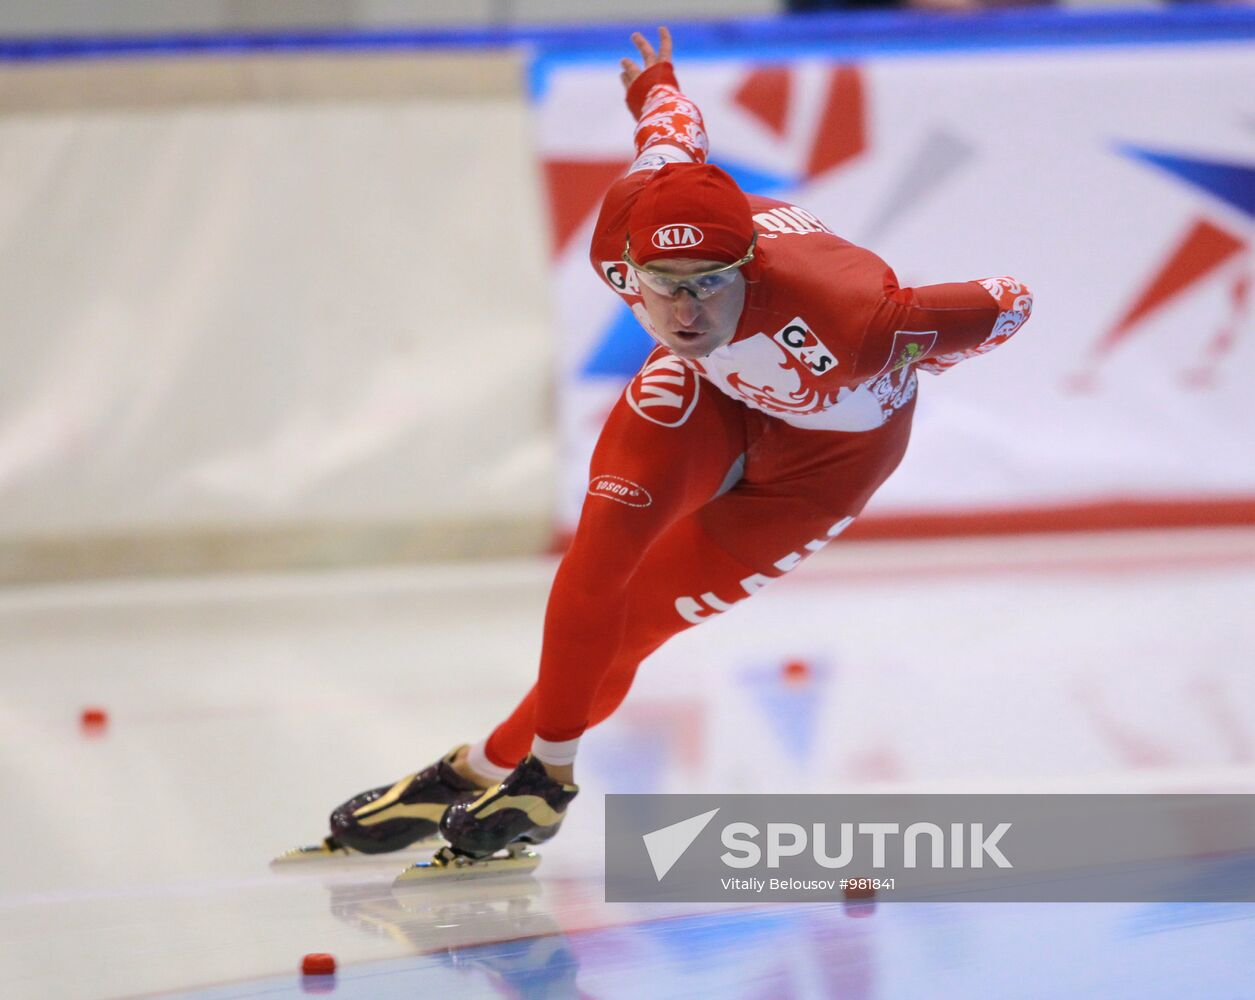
[[241, 709]]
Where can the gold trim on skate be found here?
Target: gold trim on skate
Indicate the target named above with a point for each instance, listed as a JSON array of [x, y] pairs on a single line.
[[487, 793], [418, 810], [447, 864], [538, 810], [387, 798]]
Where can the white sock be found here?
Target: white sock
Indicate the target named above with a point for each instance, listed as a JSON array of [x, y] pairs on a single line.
[[557, 754], [477, 757]]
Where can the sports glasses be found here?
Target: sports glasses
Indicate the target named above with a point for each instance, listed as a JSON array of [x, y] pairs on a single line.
[[701, 285]]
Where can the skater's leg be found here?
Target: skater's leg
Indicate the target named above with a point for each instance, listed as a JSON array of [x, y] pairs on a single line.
[[671, 472], [685, 579], [726, 551], [669, 445], [800, 495], [665, 599], [684, 553]]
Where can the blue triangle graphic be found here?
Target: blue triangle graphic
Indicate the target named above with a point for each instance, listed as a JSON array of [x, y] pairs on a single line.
[[792, 711], [792, 716], [621, 349], [1230, 182], [751, 180]]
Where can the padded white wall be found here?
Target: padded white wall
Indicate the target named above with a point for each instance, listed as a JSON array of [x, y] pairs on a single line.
[[266, 313]]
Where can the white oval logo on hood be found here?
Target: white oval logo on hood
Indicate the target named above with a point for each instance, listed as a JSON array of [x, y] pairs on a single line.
[[677, 237]]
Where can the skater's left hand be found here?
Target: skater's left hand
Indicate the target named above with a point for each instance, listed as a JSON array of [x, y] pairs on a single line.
[[651, 58]]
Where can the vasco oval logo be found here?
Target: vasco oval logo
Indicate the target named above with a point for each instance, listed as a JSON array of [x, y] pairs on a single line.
[[620, 490], [677, 236]]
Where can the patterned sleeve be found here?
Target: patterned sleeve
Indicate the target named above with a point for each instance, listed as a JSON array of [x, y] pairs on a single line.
[[934, 327], [669, 127], [1014, 302]]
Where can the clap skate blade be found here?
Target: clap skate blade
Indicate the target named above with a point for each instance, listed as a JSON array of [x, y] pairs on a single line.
[[332, 850], [447, 865]]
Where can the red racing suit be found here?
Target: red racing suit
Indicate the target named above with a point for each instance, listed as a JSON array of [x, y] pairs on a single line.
[[711, 478]]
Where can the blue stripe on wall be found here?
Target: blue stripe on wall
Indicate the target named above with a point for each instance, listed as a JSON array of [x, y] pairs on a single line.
[[842, 33]]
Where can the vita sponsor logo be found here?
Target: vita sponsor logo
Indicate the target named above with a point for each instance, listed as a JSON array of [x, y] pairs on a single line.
[[677, 236], [665, 391]]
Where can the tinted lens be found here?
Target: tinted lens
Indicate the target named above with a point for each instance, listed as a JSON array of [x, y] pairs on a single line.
[[702, 285]]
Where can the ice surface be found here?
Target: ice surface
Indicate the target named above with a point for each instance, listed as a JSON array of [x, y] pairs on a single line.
[[242, 709]]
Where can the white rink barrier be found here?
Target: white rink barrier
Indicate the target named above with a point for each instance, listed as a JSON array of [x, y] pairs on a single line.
[[270, 311], [1116, 180]]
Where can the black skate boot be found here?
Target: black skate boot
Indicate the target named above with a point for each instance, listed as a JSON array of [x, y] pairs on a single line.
[[527, 807], [395, 816], [492, 833]]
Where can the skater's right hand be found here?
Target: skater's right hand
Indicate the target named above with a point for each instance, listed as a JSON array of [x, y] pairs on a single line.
[[651, 58]]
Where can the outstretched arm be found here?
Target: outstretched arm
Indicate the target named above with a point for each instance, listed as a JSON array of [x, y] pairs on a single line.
[[1013, 304], [934, 327], [669, 127]]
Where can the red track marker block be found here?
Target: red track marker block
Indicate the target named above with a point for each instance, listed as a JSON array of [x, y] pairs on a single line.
[[796, 672], [318, 964]]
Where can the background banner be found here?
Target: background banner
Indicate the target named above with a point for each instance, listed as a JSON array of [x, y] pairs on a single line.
[[1119, 183]]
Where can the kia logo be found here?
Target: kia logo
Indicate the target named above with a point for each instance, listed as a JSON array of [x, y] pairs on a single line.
[[675, 237]]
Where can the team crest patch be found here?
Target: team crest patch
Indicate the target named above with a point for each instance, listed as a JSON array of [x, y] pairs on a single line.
[[799, 340], [908, 347], [665, 391], [620, 490]]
